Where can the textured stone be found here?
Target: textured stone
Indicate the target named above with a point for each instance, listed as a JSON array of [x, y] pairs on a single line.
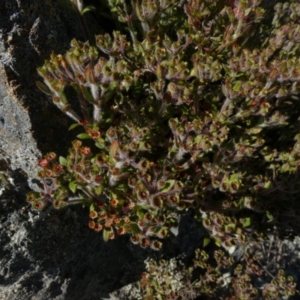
[[17, 144], [53, 255], [30, 124]]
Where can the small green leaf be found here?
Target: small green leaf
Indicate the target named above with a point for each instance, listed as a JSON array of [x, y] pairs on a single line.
[[92, 207], [87, 95], [122, 188], [254, 130], [87, 9], [113, 195], [270, 216], [43, 88], [64, 101], [100, 144], [83, 136], [247, 222], [85, 201], [229, 228], [218, 242], [198, 139], [206, 241], [74, 126], [168, 186], [237, 86], [63, 161], [247, 11], [140, 214], [134, 228], [234, 177], [99, 190], [72, 186], [106, 233], [268, 184]]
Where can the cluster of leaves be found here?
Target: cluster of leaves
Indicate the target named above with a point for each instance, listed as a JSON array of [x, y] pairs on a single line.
[[220, 277], [241, 285], [194, 106], [164, 279]]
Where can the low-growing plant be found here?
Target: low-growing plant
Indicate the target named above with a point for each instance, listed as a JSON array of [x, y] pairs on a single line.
[[193, 106], [214, 276]]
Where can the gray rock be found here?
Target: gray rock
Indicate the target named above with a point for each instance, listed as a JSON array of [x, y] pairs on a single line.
[[55, 256], [17, 144], [30, 124]]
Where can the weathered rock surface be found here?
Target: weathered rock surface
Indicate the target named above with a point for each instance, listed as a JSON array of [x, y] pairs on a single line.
[[55, 256], [30, 124], [17, 144]]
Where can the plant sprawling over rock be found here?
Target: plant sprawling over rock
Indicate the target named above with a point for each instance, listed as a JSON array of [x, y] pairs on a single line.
[[220, 278], [191, 105]]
